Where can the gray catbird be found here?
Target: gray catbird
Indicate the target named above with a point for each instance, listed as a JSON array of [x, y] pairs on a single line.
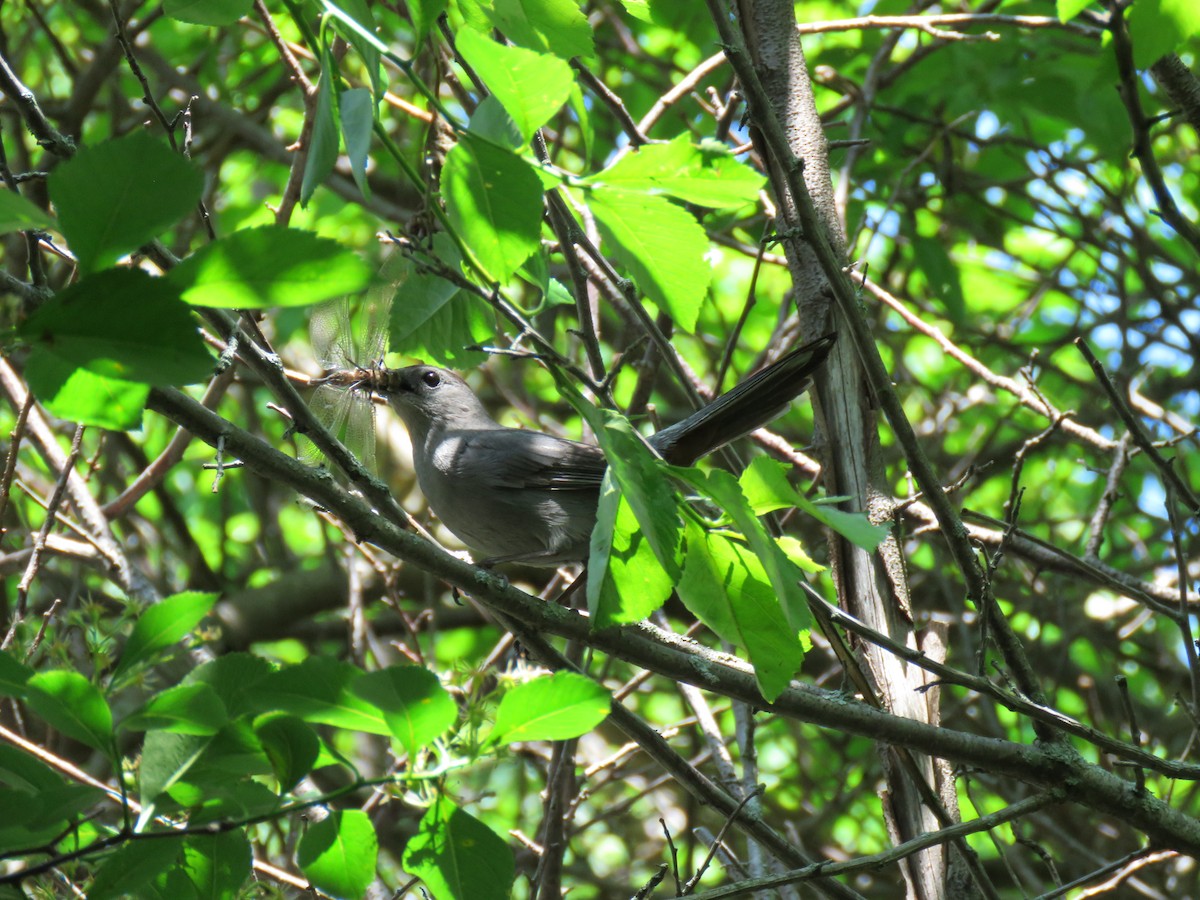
[[515, 495]]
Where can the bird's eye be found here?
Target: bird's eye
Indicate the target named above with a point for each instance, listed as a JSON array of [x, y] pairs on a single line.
[[432, 379]]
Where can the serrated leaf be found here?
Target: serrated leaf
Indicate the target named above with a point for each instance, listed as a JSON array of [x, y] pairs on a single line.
[[639, 476], [494, 199], [73, 705], [626, 582], [554, 26], [554, 708], [269, 266], [456, 855], [662, 247], [18, 214], [707, 174], [162, 625], [116, 196], [338, 854], [357, 110], [78, 395], [414, 704], [727, 588], [532, 86], [782, 574], [120, 324]]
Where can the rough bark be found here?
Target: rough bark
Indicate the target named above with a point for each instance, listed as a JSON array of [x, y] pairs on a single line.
[[872, 586]]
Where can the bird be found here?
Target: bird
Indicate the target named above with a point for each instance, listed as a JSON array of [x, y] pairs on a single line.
[[518, 495]]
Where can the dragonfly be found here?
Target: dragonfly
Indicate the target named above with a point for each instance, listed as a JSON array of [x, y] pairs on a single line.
[[349, 344]]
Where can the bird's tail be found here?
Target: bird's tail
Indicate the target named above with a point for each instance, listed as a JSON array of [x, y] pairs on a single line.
[[748, 406]]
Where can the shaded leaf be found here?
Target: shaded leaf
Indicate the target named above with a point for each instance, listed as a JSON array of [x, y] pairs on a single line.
[[456, 855], [269, 266], [120, 324], [18, 214], [116, 196]]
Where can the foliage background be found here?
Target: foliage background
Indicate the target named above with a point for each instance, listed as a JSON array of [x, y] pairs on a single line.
[[1012, 177]]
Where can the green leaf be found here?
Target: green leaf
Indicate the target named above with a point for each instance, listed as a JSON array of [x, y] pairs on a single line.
[[626, 582], [117, 196], [1159, 27], [357, 109], [20, 771], [943, 277], [78, 395], [290, 745], [554, 708], [18, 214], [661, 245], [555, 26], [413, 702], [494, 199], [639, 9], [782, 574], [430, 317], [133, 865], [338, 854], [766, 487], [532, 86], [163, 625], [237, 678], [727, 588], [318, 690], [1069, 9], [207, 12], [638, 474], [323, 151], [166, 758], [73, 705], [707, 175], [29, 819], [120, 324], [13, 676], [269, 266], [360, 12], [218, 864], [424, 14], [185, 709], [457, 856]]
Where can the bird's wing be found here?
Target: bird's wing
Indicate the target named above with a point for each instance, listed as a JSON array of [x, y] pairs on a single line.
[[529, 459]]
